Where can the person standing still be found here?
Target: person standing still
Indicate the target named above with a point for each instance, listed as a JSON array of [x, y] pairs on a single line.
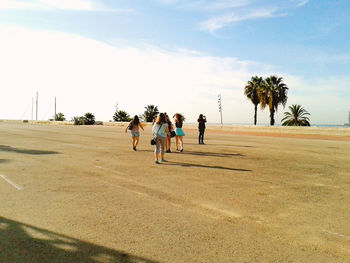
[[160, 130], [201, 128]]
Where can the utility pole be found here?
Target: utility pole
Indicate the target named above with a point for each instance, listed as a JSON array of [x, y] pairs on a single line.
[[220, 108], [55, 109], [37, 98]]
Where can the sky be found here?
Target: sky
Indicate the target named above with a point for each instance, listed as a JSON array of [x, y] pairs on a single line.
[[176, 54]]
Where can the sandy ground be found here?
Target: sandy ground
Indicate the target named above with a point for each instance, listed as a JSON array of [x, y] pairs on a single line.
[[80, 194]]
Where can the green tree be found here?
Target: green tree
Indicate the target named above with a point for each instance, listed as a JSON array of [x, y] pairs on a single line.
[[60, 117], [251, 91], [121, 115], [273, 94], [89, 119], [297, 116], [150, 113]]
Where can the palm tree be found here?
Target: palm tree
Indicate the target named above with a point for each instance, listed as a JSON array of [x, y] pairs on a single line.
[[251, 91], [150, 113], [273, 94], [296, 117], [89, 118], [121, 115]]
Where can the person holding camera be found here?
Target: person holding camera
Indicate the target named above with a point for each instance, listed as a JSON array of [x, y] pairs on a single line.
[[201, 128], [160, 131]]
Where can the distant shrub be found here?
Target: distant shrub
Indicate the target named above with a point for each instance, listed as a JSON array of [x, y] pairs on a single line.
[[98, 122], [78, 120], [89, 119], [60, 117], [25, 121]]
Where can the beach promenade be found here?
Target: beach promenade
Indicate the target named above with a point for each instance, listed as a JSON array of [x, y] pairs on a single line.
[[250, 194]]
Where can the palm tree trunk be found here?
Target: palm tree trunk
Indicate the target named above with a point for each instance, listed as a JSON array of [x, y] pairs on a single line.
[[272, 115], [255, 111]]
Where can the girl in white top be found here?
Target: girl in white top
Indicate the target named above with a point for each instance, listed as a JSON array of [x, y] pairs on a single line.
[[134, 127]]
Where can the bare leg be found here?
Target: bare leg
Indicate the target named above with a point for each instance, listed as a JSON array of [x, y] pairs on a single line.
[[162, 147], [133, 143], [157, 149], [177, 142], [181, 142], [168, 142], [136, 141], [156, 156]]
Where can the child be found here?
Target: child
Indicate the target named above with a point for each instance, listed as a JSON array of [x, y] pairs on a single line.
[[179, 119], [134, 126]]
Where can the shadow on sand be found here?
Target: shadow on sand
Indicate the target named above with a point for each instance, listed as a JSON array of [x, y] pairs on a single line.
[[22, 243], [6, 148], [213, 154], [208, 144], [4, 161], [206, 166], [145, 150]]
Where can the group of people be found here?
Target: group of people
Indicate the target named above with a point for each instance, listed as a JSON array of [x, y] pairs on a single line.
[[163, 130]]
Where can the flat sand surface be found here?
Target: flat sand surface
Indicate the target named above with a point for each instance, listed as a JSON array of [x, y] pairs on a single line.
[[81, 194]]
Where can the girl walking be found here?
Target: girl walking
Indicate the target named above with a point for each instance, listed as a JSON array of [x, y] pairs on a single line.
[[160, 130], [201, 128], [179, 119], [134, 127]]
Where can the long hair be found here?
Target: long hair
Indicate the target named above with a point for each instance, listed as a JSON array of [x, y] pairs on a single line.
[[167, 119], [135, 121], [161, 118], [178, 117]]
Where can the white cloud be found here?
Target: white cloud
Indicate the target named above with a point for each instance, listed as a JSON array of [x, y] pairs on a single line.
[[224, 13], [244, 10], [88, 75], [73, 5], [221, 21], [302, 3], [204, 5]]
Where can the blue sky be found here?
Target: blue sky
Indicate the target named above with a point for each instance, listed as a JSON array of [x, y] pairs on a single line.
[[177, 54]]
